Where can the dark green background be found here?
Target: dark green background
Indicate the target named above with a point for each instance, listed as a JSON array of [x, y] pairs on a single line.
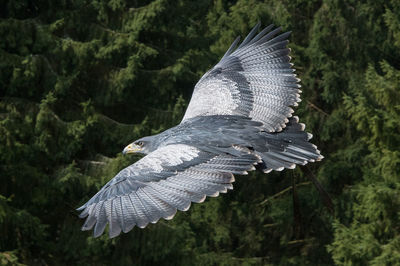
[[81, 79]]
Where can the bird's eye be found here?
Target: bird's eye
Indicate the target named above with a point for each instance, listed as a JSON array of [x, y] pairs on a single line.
[[139, 143]]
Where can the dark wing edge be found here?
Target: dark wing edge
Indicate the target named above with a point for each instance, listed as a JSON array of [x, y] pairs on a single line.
[[139, 195], [259, 76]]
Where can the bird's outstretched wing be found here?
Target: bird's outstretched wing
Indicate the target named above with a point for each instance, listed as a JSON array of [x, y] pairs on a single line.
[[254, 80], [165, 180]]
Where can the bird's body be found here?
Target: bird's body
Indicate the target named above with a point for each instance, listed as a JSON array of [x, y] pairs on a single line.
[[239, 117]]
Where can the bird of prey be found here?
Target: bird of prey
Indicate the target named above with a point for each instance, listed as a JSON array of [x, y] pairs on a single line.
[[239, 118]]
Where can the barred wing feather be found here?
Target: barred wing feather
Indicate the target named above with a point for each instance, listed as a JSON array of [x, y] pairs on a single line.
[[255, 79], [158, 185]]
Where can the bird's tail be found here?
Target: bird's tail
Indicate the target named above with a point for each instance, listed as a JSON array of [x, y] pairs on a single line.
[[287, 148]]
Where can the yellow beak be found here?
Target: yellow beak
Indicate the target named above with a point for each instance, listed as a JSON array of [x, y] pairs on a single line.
[[131, 148]]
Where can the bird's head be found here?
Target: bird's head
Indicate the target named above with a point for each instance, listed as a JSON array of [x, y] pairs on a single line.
[[144, 146]]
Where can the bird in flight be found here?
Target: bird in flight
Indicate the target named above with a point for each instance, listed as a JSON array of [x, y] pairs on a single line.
[[239, 118]]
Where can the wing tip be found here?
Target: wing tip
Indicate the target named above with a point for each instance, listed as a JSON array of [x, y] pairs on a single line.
[[81, 208]]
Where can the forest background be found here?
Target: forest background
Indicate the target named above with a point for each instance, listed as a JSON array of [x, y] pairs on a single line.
[[81, 79]]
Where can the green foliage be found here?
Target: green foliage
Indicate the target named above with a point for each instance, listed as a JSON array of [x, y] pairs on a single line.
[[79, 80], [372, 236]]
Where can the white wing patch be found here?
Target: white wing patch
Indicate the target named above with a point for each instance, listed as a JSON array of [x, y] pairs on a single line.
[[216, 96], [170, 155], [255, 80], [166, 180]]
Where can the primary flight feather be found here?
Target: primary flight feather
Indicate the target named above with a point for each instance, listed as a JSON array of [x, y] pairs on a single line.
[[239, 116]]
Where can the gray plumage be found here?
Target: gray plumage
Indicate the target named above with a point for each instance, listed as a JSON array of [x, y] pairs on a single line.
[[255, 80], [239, 117]]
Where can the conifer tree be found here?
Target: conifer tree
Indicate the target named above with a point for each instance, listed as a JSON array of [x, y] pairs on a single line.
[[81, 79]]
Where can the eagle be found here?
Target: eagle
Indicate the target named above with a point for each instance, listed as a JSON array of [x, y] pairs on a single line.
[[239, 119]]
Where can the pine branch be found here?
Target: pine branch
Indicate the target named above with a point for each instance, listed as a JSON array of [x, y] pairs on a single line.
[[283, 192], [322, 192], [317, 108]]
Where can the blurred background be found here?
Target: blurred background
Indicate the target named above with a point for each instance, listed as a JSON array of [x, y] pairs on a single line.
[[79, 80]]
